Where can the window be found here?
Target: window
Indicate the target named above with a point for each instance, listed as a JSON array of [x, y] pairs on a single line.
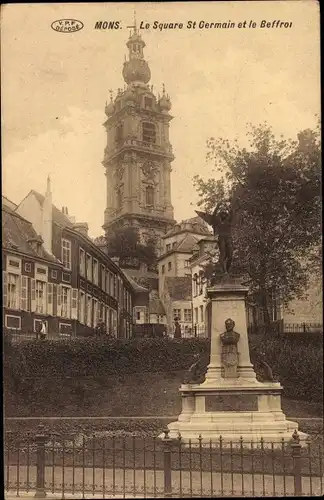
[[28, 267], [95, 312], [187, 315], [66, 253], [89, 267], [194, 283], [108, 282], [66, 302], [40, 297], [103, 278], [168, 247], [38, 324], [89, 310], [82, 262], [186, 263], [50, 298], [40, 270], [65, 329], [119, 198], [82, 308], [169, 266], [149, 196], [196, 314], [163, 269], [13, 322], [54, 275], [176, 314], [149, 132], [24, 293], [66, 277], [95, 272], [119, 133], [115, 287], [13, 292], [14, 263], [148, 102], [202, 314], [138, 315]]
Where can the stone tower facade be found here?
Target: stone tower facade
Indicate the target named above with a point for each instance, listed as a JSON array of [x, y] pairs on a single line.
[[138, 154]]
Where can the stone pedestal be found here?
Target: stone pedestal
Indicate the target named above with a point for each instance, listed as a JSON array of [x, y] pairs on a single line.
[[232, 408]]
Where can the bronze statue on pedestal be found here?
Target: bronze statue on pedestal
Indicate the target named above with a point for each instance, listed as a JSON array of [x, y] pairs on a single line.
[[221, 221]]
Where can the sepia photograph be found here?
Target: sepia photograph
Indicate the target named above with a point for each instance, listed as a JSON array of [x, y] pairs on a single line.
[[162, 249]]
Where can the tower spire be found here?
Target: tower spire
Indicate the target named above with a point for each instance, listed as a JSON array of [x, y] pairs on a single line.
[[135, 27]]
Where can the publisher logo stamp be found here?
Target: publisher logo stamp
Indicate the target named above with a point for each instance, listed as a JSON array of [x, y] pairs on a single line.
[[67, 25]]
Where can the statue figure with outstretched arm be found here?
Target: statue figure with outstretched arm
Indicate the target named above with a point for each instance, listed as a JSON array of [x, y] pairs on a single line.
[[221, 221]]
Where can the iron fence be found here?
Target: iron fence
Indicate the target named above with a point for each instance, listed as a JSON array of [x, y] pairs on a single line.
[[279, 327], [108, 467]]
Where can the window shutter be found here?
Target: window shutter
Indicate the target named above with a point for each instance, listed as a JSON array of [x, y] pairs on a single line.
[[33, 295], [5, 289], [58, 300], [24, 293], [80, 318], [74, 314], [50, 299]]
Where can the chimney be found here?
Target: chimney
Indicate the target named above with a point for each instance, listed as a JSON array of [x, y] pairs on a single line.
[[47, 218], [81, 227]]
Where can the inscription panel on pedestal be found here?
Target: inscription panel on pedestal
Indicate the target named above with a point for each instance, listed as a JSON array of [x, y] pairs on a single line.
[[235, 402]]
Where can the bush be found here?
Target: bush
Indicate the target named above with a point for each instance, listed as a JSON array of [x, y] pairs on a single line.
[[298, 365]]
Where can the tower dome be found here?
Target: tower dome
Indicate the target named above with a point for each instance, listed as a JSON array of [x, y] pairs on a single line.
[[136, 68]]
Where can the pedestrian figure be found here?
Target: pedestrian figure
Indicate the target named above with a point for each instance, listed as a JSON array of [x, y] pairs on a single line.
[[43, 331], [177, 330]]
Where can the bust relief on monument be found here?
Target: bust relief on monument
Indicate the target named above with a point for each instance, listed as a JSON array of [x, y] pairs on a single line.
[[229, 340]]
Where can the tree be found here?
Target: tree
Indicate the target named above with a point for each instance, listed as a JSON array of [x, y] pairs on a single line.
[[275, 188], [125, 244]]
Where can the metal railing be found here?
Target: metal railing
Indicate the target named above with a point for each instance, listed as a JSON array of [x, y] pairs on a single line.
[[279, 327], [106, 467]]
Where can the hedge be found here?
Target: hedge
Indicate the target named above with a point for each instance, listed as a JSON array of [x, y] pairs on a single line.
[[298, 366]]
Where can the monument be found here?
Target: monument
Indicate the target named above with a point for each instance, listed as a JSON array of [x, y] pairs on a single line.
[[230, 401]]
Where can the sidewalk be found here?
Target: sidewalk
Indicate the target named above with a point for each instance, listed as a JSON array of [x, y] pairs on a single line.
[[135, 482]]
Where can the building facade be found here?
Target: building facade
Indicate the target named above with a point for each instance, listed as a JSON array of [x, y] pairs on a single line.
[[138, 154], [90, 287]]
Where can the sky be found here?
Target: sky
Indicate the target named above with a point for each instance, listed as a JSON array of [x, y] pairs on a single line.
[[54, 88]]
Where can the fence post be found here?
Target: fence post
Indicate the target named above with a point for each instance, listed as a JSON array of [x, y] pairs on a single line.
[[296, 455], [40, 464], [167, 444]]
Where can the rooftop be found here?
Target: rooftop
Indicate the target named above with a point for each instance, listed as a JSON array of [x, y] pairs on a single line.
[[17, 233]]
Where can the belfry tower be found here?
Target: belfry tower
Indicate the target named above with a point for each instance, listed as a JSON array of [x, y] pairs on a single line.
[[138, 154]]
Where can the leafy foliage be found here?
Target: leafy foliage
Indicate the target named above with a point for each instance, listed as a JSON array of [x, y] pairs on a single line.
[[104, 377], [125, 244], [275, 188]]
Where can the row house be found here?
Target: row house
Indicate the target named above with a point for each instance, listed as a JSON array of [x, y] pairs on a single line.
[[87, 286], [31, 277]]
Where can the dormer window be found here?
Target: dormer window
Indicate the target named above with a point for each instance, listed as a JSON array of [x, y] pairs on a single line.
[[149, 132]]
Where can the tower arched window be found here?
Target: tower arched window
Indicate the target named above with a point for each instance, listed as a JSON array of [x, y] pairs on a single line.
[[149, 132], [119, 133], [149, 194], [119, 198]]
